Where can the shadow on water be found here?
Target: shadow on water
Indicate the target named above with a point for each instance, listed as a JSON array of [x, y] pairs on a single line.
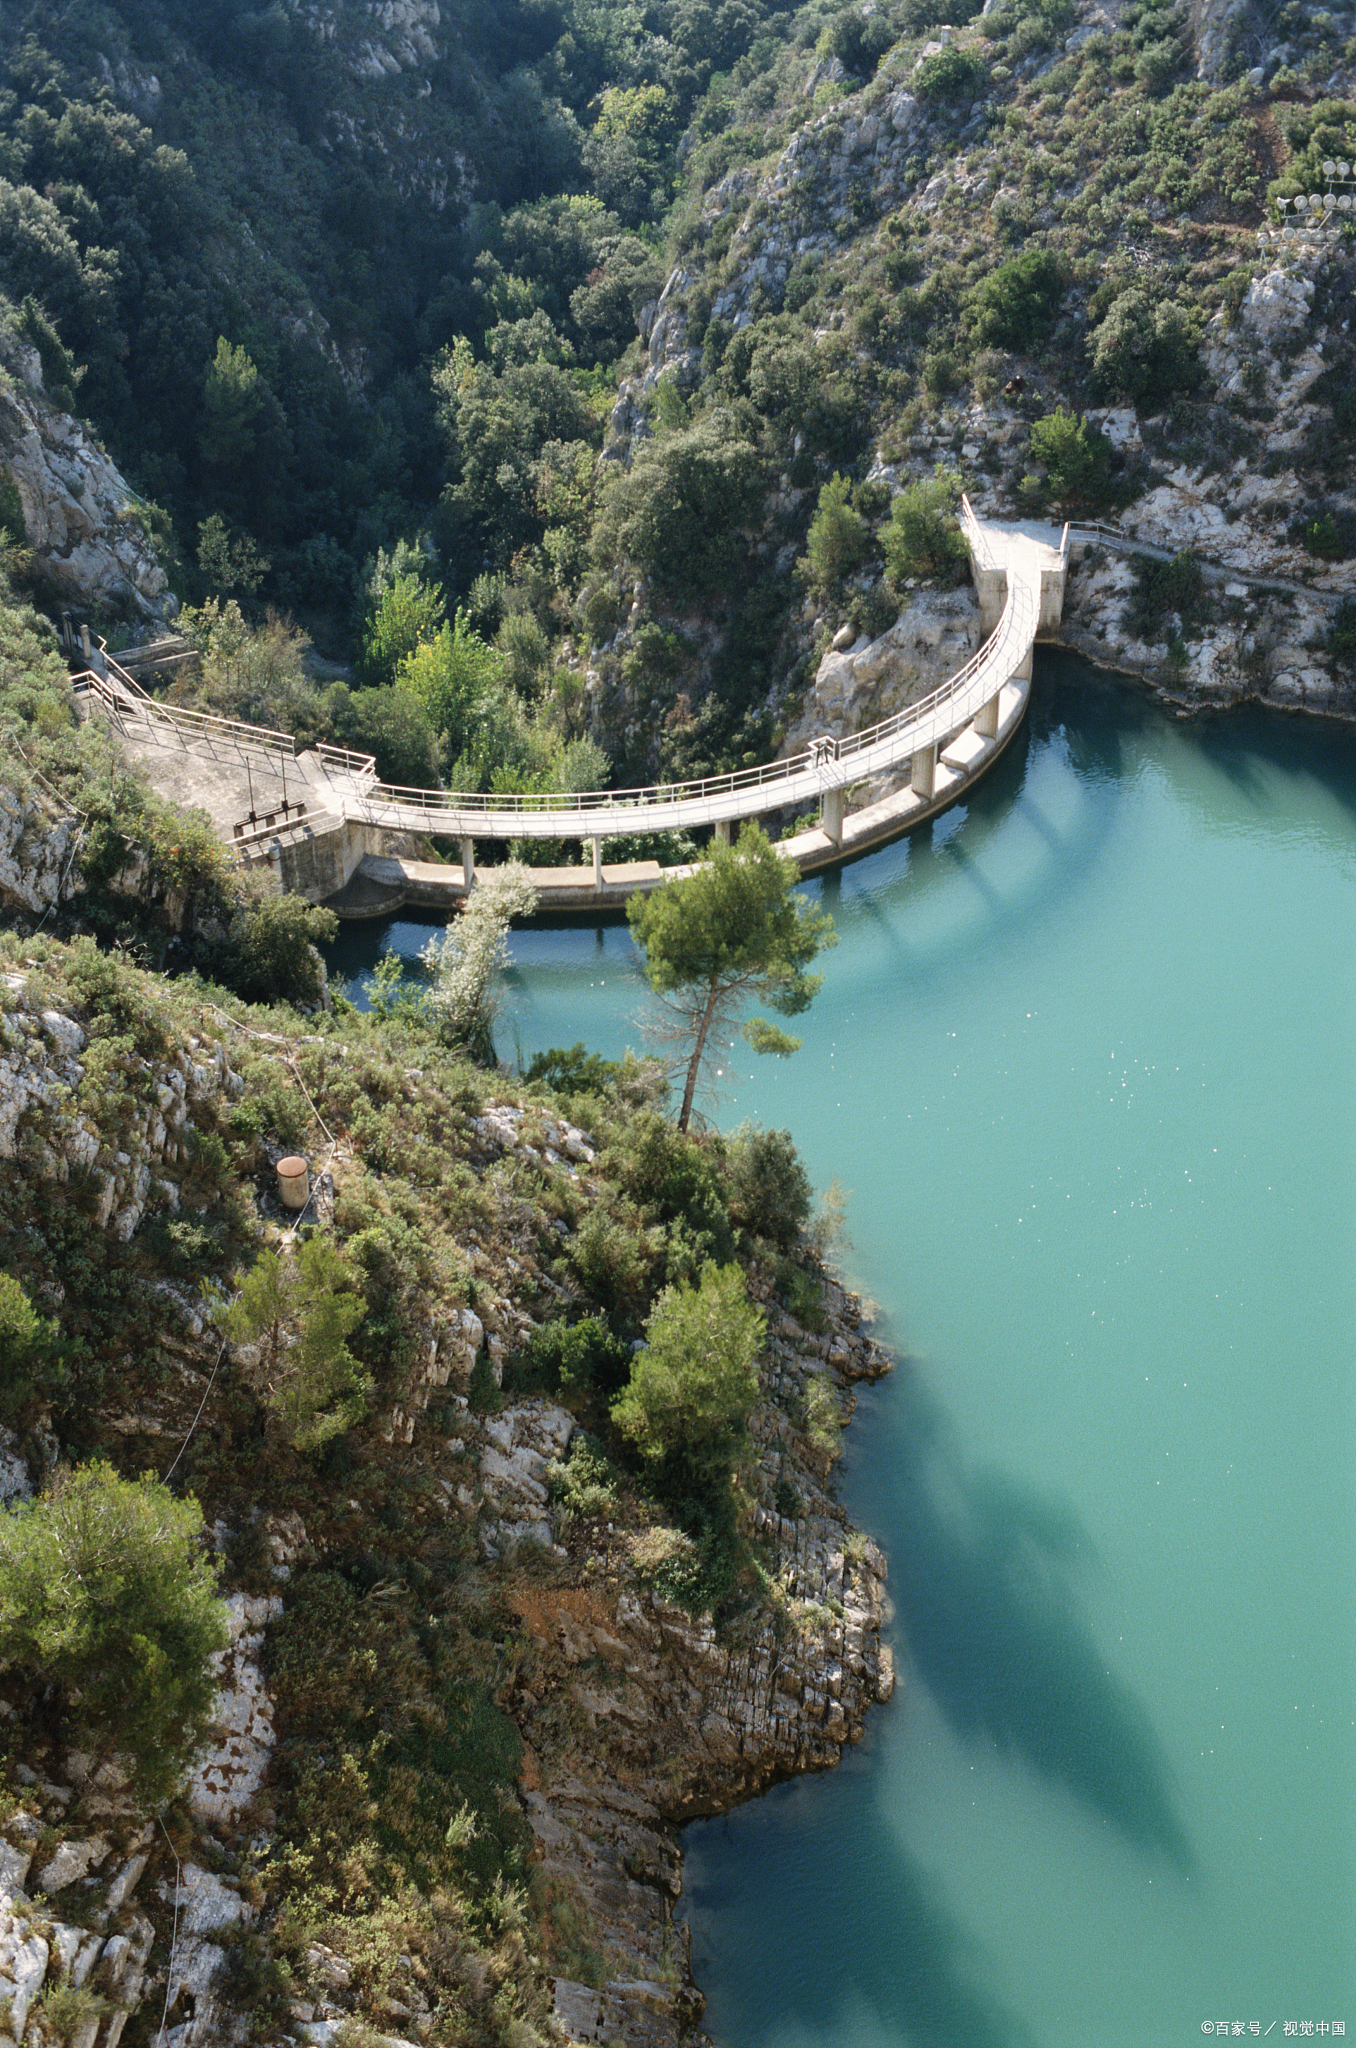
[[984, 1579], [984, 1572], [905, 1962]]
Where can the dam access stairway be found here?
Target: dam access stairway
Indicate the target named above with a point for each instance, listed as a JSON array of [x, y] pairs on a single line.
[[330, 830]]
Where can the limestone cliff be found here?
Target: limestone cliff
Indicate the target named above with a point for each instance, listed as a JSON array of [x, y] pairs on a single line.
[[86, 531]]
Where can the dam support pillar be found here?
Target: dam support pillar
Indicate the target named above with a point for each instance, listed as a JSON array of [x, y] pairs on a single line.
[[597, 846], [923, 778], [468, 862], [723, 831], [986, 721], [831, 806], [1022, 672]]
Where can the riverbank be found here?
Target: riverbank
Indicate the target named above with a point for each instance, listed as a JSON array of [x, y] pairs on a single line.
[[483, 1587], [687, 1723]]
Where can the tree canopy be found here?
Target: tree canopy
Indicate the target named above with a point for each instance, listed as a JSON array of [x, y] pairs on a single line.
[[107, 1600], [731, 930], [691, 1388]]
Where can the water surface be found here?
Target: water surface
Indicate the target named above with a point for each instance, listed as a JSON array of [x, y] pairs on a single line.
[[1084, 1056]]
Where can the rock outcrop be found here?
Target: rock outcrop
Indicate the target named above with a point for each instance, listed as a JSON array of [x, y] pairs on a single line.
[[103, 1955], [37, 851], [86, 529], [140, 1157], [868, 680], [685, 1721]]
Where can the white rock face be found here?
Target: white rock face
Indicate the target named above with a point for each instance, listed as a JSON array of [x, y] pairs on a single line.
[[1277, 304], [72, 1860], [15, 1483], [228, 1774], [523, 1440], [41, 1109], [206, 1907], [27, 1967], [872, 679], [35, 852], [81, 514]]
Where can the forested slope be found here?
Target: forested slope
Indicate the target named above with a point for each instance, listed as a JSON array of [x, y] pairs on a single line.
[[582, 318]]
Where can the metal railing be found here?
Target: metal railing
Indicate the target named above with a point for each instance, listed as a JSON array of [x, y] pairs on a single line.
[[129, 703], [826, 764], [253, 838], [1098, 530], [361, 767]]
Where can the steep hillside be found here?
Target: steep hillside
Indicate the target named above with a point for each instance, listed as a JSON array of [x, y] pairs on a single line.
[[342, 282], [495, 1810], [484, 1645]]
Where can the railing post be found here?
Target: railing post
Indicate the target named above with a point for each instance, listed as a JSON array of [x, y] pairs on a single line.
[[923, 777], [468, 862]]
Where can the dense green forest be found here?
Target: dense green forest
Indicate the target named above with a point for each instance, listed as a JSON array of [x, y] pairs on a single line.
[[351, 296]]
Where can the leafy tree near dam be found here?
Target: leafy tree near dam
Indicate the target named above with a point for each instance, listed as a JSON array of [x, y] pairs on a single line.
[[731, 931]]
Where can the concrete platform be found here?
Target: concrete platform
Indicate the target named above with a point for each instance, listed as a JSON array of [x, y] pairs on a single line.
[[383, 884]]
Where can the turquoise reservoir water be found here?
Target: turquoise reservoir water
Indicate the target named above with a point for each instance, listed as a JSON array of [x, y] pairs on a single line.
[[1085, 1058]]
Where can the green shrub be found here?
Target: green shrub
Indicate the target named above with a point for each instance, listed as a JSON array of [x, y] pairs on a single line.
[[786, 1500], [1015, 306], [13, 530], [66, 2010], [394, 729], [1341, 641], [803, 1293], [301, 1315], [408, 612], [922, 537], [60, 375], [398, 1768], [272, 956], [584, 1483], [569, 1358], [951, 75], [1145, 348], [1161, 588], [682, 510], [840, 539], [482, 1389], [1075, 456], [115, 999], [28, 1352], [688, 1399], [770, 1190], [673, 1179], [614, 1255], [574, 1070], [107, 1602], [1331, 534]]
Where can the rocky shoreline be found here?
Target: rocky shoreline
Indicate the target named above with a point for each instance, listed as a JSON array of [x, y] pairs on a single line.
[[668, 1718], [692, 1723]]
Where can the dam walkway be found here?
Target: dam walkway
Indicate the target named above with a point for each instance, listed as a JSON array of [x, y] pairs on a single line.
[[326, 824]]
